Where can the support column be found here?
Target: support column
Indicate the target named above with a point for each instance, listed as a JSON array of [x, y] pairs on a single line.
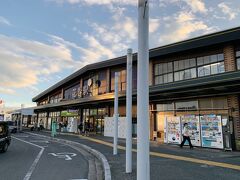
[[108, 76], [143, 167], [229, 58], [233, 104]]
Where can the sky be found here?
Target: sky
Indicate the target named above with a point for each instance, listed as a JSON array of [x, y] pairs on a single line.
[[44, 41]]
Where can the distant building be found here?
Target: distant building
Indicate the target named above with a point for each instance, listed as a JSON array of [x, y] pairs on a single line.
[[26, 115]]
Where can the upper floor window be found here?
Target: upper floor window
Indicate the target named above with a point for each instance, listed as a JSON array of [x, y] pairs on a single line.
[[238, 59], [121, 81], [184, 69], [43, 102], [163, 73], [95, 85], [189, 68], [73, 92], [209, 65], [55, 99]]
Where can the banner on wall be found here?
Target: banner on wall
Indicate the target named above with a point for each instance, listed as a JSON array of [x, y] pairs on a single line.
[[173, 129], [211, 131], [194, 128]]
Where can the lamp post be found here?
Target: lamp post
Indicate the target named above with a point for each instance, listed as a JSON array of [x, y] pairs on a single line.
[[143, 167], [115, 138], [129, 113]]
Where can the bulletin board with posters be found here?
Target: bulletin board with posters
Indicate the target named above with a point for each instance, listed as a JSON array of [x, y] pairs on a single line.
[[194, 128], [173, 129], [211, 131]]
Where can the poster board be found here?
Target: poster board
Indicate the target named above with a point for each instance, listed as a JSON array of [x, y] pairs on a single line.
[[109, 127], [194, 128], [211, 131], [173, 129]]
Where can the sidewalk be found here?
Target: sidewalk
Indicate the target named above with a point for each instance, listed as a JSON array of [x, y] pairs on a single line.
[[166, 161]]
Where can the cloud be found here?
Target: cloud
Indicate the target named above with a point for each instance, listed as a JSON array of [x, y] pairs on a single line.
[[98, 2], [183, 25], [197, 5], [153, 25], [227, 11], [23, 62], [7, 91], [4, 21]]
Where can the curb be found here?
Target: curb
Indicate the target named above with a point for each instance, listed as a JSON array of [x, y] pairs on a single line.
[[97, 154]]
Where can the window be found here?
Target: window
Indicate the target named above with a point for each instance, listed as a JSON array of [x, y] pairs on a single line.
[[213, 103], [238, 59], [72, 92], [165, 107], [163, 73], [189, 68], [2, 129], [102, 82], [55, 98], [121, 81], [209, 65]]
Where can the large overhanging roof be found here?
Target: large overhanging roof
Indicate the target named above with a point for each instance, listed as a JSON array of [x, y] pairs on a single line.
[[198, 42]]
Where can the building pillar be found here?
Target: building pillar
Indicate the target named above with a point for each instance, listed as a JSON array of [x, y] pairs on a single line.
[[150, 73], [229, 58], [62, 95], [233, 105], [151, 115], [108, 80]]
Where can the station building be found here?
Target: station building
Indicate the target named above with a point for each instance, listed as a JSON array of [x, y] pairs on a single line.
[[195, 81]]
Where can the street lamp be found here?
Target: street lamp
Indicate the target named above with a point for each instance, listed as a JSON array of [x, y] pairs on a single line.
[[143, 164]]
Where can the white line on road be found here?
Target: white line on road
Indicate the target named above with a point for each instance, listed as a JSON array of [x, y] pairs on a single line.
[[31, 169]]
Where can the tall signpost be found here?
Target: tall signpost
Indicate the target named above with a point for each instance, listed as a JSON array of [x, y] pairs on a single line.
[[129, 113], [143, 167], [115, 138]]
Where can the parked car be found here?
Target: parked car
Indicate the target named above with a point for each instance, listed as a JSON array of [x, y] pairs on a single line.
[[5, 138], [12, 126]]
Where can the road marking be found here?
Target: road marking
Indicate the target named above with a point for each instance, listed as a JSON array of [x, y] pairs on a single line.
[[31, 169], [40, 141], [65, 155], [169, 156], [22, 136]]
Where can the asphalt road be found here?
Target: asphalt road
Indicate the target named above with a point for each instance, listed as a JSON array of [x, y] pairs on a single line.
[[31, 157]]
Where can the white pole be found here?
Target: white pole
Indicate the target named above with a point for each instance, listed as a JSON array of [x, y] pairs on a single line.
[[115, 139], [129, 113], [143, 168]]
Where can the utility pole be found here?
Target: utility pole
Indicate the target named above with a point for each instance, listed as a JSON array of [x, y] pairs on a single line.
[[129, 113], [115, 138], [143, 164]]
